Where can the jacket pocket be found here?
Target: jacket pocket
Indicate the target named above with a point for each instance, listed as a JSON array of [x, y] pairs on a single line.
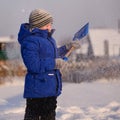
[[46, 86]]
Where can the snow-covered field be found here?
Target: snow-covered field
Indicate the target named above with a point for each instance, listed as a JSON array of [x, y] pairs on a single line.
[[85, 101]]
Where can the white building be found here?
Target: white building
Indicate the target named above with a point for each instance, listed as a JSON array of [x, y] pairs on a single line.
[[10, 46], [7, 39], [99, 36]]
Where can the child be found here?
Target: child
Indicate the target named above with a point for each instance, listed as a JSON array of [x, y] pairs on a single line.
[[43, 82]]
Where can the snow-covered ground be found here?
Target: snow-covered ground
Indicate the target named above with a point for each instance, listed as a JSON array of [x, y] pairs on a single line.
[[85, 101]]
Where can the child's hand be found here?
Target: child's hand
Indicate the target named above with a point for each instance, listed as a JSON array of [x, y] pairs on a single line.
[[75, 44]]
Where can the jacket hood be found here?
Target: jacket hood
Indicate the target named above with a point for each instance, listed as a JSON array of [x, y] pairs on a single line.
[[23, 32]]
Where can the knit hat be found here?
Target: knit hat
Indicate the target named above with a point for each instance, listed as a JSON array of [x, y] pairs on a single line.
[[39, 18]]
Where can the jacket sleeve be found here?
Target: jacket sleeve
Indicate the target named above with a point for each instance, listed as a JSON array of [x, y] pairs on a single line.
[[61, 51], [35, 64]]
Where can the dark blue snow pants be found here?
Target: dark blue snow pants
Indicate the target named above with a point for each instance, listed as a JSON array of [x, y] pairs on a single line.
[[40, 108]]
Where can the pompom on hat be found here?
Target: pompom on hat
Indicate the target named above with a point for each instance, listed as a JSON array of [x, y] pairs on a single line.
[[39, 18]]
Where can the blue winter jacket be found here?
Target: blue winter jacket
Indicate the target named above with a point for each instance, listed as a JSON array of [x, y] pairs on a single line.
[[39, 51]]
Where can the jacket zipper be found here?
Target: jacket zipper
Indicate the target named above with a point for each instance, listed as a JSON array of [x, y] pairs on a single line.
[[53, 47]]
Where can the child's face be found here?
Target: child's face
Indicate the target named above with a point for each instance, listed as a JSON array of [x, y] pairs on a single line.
[[47, 27]]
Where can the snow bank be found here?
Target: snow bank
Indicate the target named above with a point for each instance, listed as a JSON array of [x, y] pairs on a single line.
[[108, 112], [89, 94], [86, 101]]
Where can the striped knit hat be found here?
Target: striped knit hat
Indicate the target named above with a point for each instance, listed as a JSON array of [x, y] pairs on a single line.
[[39, 18]]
